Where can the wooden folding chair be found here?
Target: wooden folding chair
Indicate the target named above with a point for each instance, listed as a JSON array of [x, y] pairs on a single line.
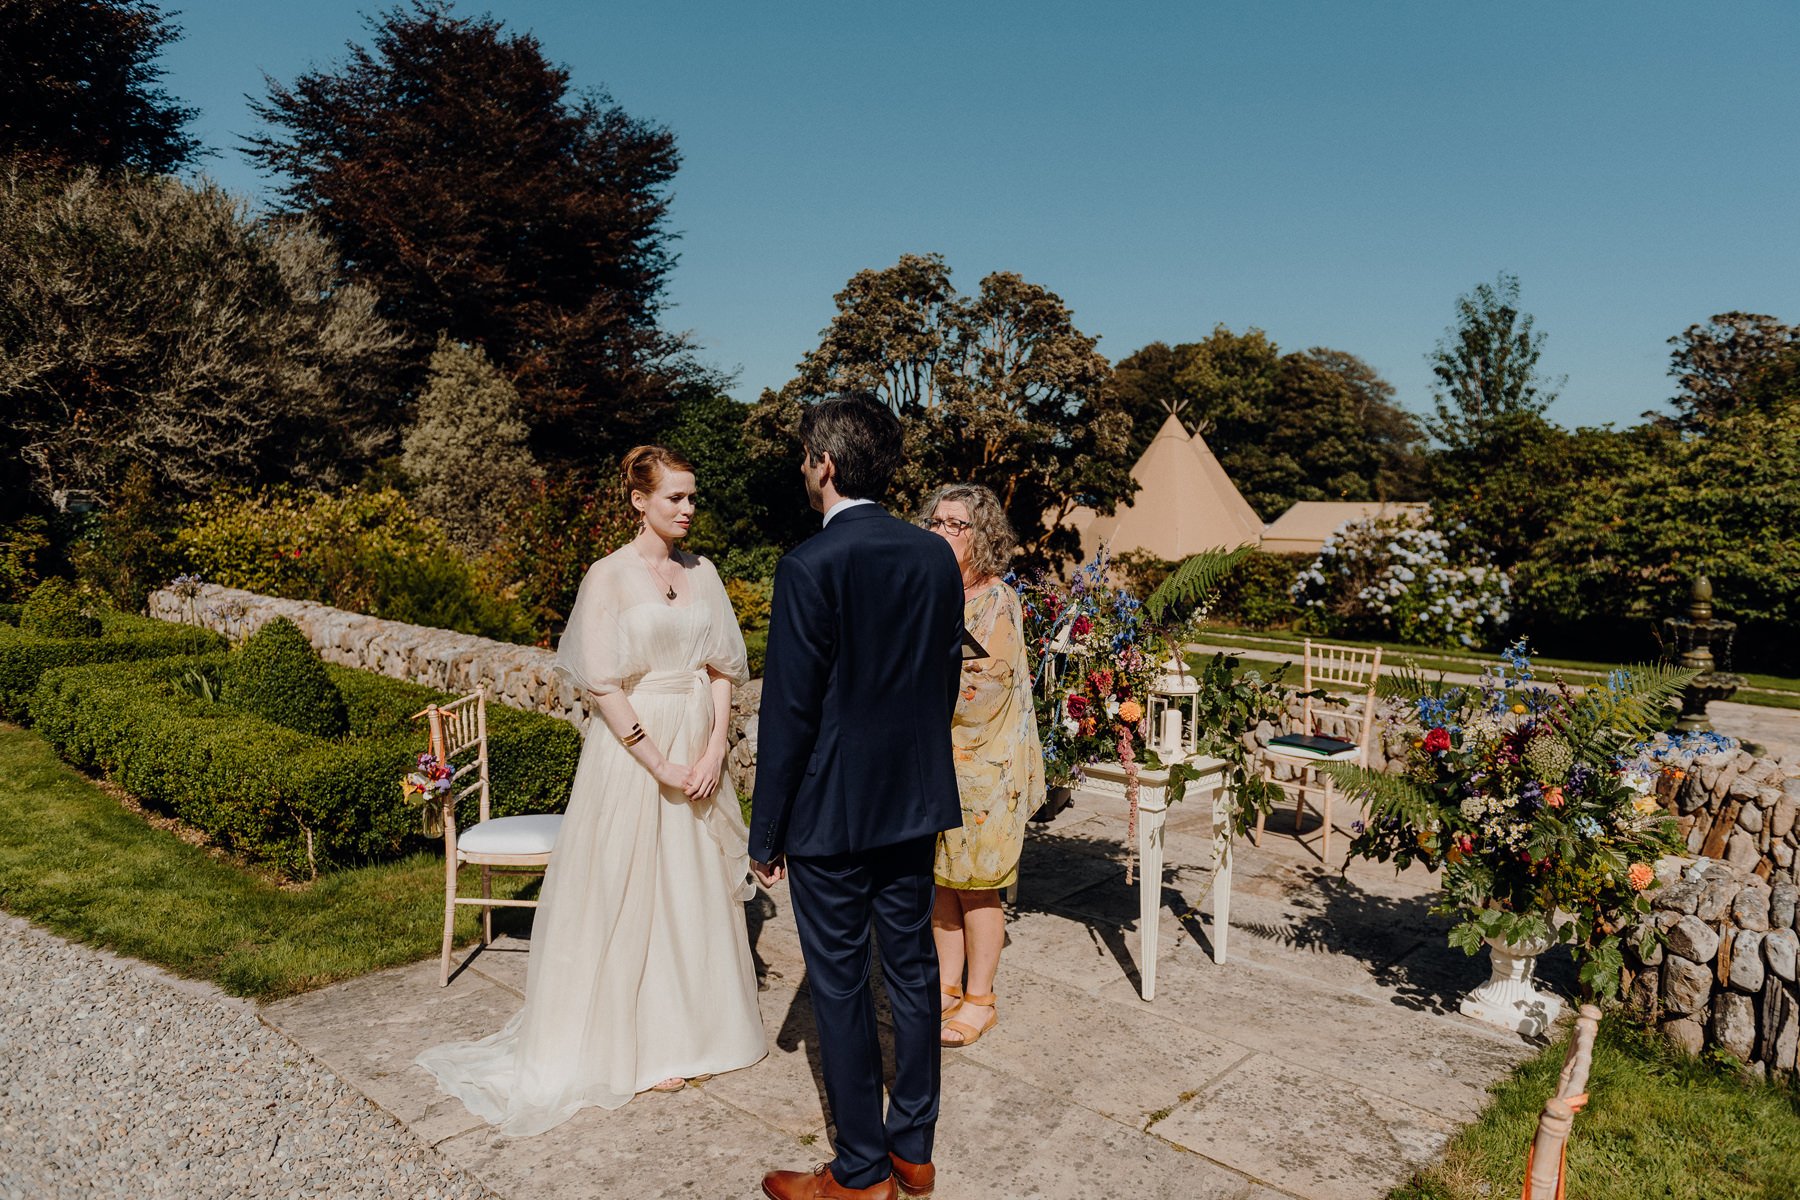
[[506, 844], [1345, 673], [1544, 1160]]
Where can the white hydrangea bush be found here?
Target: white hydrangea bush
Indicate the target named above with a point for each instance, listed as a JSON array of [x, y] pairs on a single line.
[[1395, 577]]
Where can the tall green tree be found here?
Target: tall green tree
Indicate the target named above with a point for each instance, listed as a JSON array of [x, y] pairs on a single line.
[[1486, 367], [78, 86], [1652, 508], [1496, 473], [998, 388], [1318, 424], [483, 197]]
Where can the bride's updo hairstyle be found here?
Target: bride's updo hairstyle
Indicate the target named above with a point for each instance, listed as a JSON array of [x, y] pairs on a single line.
[[643, 467]]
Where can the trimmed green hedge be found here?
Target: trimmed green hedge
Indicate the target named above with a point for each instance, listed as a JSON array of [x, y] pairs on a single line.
[[9, 613], [258, 789], [123, 637], [278, 676]]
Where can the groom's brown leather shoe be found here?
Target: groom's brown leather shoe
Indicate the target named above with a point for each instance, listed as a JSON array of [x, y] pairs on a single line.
[[916, 1180], [820, 1184]]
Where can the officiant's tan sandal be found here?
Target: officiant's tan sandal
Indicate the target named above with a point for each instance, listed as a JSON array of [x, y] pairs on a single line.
[[946, 1011], [967, 1034]]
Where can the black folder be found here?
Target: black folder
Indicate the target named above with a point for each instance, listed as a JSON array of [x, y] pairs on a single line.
[[1324, 747]]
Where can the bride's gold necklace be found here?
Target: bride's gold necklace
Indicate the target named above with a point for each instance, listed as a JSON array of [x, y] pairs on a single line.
[[661, 578]]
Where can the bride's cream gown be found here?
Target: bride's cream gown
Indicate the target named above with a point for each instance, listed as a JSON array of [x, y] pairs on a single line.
[[640, 966]]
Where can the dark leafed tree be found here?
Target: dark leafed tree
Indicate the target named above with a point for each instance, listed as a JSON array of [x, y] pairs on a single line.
[[78, 86], [484, 199], [1718, 365], [998, 388], [1316, 425]]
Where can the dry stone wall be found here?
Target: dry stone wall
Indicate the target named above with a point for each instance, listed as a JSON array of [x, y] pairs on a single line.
[[517, 676], [1725, 973]]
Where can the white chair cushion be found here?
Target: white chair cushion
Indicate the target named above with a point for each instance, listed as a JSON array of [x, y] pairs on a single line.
[[1287, 754], [534, 834]]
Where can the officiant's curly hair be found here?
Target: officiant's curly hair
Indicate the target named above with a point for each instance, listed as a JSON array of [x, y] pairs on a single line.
[[643, 467], [991, 537]]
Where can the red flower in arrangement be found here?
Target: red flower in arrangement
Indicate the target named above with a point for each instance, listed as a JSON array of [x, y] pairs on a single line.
[[1554, 797], [1078, 707], [1437, 741], [1102, 681], [1082, 627]]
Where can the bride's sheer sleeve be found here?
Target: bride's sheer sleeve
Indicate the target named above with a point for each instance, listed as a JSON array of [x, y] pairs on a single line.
[[723, 649], [590, 653]]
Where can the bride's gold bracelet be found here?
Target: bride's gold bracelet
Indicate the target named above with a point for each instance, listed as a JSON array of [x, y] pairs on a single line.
[[633, 738]]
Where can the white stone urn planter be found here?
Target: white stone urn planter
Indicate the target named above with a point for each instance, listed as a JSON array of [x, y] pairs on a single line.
[[1510, 998]]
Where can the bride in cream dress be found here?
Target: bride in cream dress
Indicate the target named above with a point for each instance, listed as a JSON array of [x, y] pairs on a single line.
[[640, 975]]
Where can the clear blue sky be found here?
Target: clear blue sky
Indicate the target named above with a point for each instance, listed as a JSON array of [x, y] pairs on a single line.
[[1334, 173]]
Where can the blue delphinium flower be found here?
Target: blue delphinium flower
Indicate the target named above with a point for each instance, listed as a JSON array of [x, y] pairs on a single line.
[[1518, 659]]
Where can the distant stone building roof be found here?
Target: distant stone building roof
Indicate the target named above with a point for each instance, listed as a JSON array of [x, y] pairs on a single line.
[[1303, 528]]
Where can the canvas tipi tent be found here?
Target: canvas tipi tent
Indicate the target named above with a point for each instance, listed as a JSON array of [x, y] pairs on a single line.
[[1185, 503]]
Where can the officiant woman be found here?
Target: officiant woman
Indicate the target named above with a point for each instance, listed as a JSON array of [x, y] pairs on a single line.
[[999, 763]]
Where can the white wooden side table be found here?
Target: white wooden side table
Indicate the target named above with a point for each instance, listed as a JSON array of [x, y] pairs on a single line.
[[1108, 779]]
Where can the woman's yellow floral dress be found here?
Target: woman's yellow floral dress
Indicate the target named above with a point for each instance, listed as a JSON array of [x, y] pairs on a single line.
[[999, 761]]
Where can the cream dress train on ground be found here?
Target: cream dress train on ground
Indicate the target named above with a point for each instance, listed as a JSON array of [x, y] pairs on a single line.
[[640, 966]]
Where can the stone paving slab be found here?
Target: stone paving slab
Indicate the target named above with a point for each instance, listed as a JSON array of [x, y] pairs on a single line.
[[1312, 1136], [1321, 1063]]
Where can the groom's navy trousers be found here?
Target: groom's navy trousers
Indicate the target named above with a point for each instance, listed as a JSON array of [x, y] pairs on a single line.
[[854, 780]]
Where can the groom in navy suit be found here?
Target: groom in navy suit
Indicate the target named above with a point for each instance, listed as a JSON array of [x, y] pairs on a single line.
[[854, 781]]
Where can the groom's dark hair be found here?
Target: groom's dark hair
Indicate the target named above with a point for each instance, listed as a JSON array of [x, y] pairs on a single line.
[[863, 438]]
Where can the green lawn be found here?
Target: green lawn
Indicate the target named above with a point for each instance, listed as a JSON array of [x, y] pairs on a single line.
[[1265, 645], [1658, 1124], [76, 862]]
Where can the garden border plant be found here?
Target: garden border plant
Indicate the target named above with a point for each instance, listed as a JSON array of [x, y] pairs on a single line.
[[298, 803], [124, 637]]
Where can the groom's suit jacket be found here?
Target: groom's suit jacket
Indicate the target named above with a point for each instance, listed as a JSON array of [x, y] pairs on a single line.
[[859, 686]]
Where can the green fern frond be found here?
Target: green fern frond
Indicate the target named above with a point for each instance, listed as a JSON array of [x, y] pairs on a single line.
[[1194, 581], [1382, 794], [1409, 683], [1624, 710]]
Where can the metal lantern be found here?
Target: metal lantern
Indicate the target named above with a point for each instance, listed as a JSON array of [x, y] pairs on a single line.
[[1175, 712]]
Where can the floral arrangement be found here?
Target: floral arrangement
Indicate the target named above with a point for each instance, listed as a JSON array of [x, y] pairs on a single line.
[[1096, 652], [1397, 577], [430, 781], [1544, 809], [1093, 654]]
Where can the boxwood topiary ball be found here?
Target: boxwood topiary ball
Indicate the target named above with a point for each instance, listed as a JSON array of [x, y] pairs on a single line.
[[278, 676], [56, 610]]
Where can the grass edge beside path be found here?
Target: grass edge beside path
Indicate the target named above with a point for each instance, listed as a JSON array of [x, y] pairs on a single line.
[[75, 862], [1658, 1123]]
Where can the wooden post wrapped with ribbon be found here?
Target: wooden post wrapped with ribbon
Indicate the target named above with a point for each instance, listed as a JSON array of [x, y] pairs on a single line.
[[1544, 1162]]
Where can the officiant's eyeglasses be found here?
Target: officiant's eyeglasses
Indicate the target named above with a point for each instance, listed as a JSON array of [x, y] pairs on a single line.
[[948, 525]]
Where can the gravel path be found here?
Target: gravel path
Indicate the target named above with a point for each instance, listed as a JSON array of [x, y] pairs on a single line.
[[116, 1080]]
